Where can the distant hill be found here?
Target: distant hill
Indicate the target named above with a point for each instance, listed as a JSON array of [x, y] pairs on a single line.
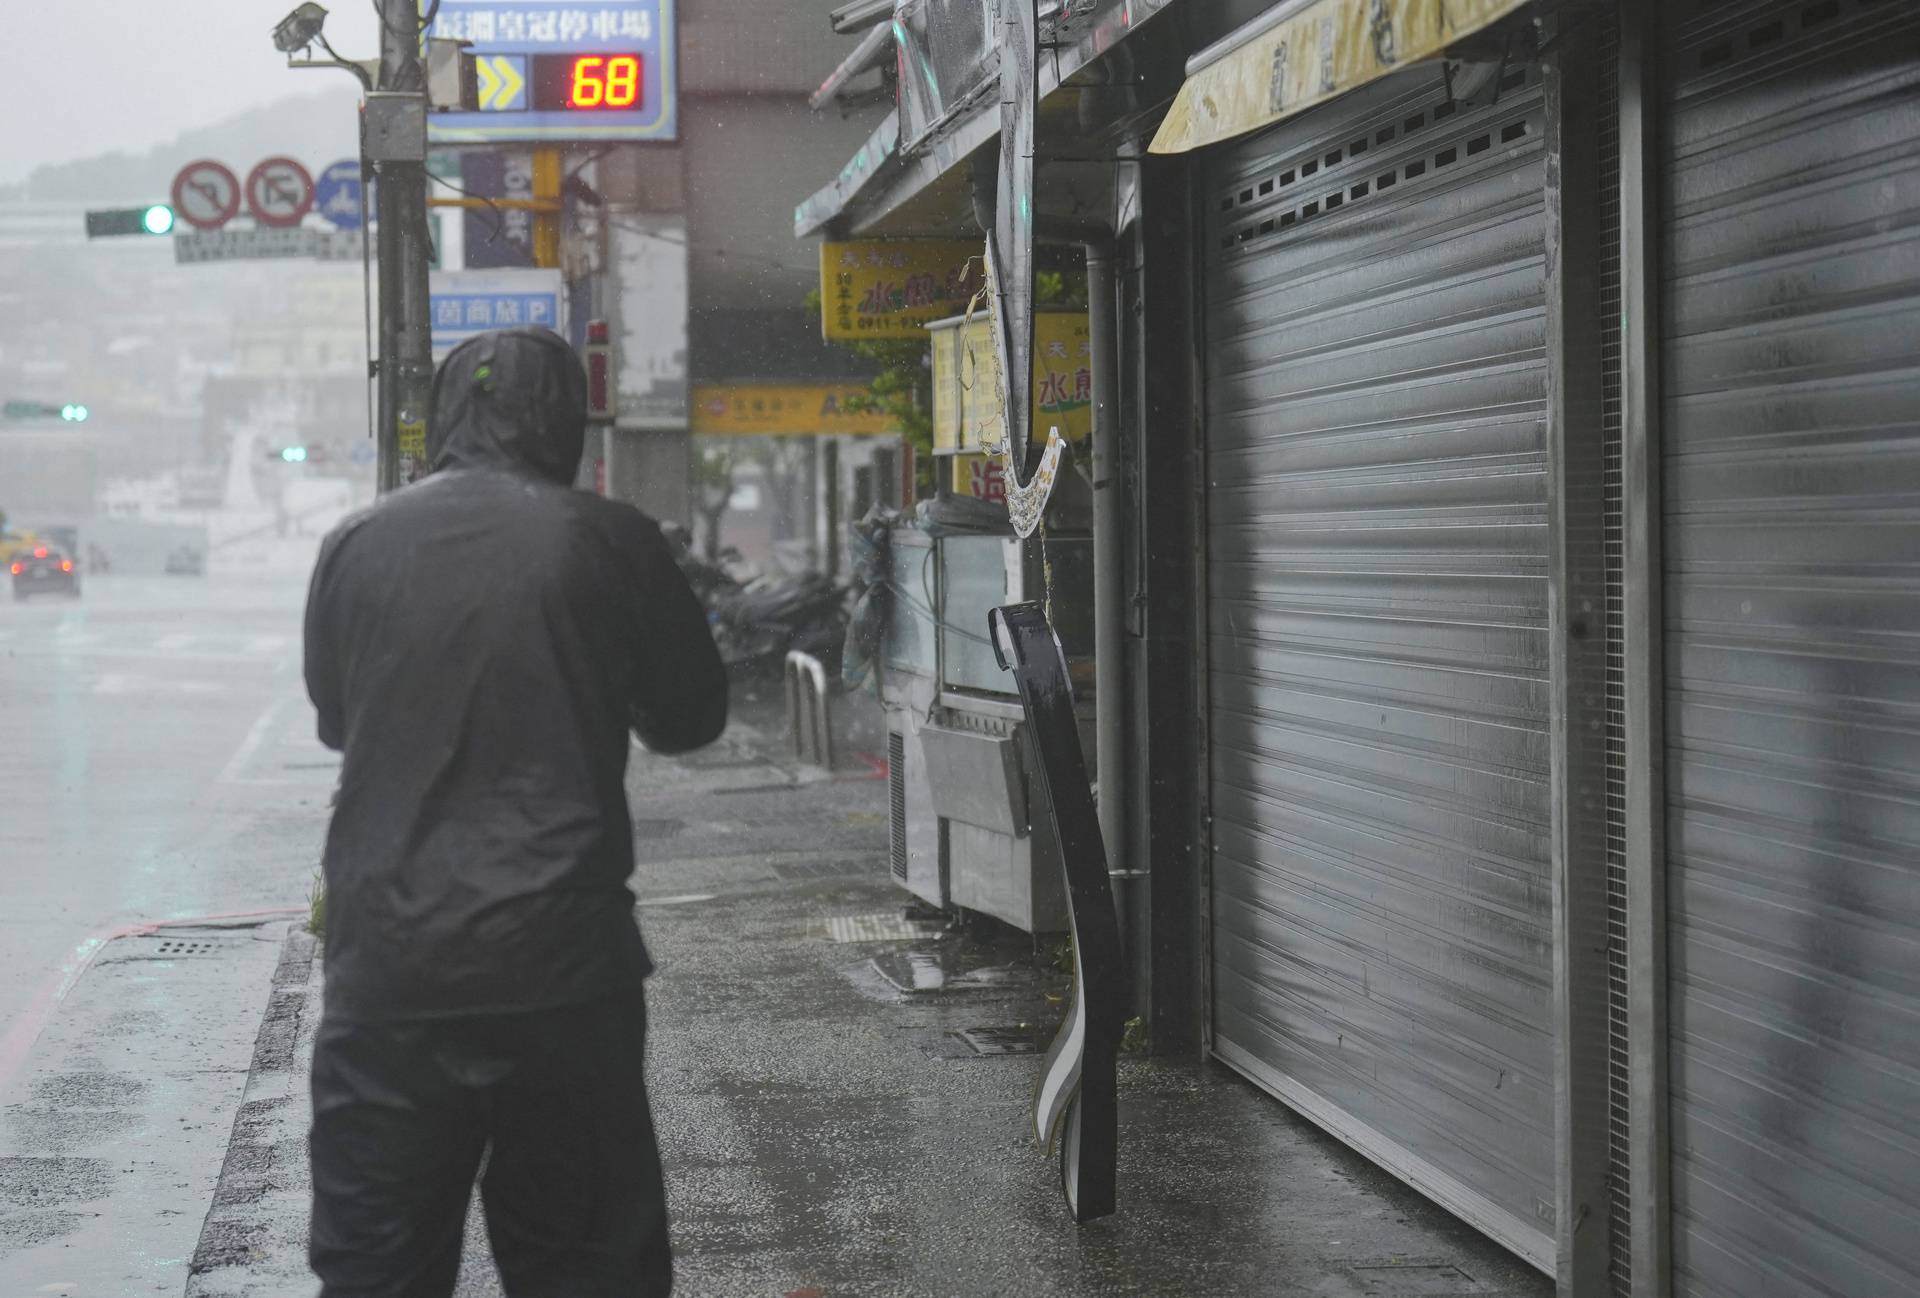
[[316, 128]]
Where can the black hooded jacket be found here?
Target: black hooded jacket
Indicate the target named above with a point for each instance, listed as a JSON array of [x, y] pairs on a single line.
[[478, 645]]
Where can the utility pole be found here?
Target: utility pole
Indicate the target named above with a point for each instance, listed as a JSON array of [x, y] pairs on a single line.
[[395, 142]]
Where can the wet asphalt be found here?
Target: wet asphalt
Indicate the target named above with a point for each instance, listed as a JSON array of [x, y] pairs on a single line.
[[828, 1129], [157, 761]]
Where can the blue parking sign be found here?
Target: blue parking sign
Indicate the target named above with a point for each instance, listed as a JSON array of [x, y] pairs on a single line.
[[463, 303], [336, 194]]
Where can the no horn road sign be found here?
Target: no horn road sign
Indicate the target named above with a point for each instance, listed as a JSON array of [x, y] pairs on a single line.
[[279, 192]]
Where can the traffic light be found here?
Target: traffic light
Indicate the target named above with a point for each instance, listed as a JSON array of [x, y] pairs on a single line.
[[155, 218], [293, 454], [72, 412]]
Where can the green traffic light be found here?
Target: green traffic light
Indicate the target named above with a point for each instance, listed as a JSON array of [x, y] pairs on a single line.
[[157, 219], [294, 454], [74, 414]]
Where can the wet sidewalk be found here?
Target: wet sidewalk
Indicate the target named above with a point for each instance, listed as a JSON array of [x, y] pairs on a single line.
[[844, 1096]]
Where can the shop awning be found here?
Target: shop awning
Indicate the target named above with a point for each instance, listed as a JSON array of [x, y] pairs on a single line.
[[1305, 52], [874, 49]]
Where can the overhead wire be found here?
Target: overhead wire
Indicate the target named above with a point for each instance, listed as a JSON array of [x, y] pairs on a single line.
[[499, 214]]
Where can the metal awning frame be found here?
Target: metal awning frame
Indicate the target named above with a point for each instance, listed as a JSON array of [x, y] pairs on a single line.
[[873, 51], [882, 184]]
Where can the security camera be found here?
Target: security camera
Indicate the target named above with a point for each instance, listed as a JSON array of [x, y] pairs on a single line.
[[299, 28]]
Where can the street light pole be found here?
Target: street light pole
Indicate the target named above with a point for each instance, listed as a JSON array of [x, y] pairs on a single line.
[[395, 142]]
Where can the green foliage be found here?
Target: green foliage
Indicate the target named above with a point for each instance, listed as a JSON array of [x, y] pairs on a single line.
[[1063, 957], [317, 906], [1135, 1039], [713, 468], [712, 490], [1060, 288]]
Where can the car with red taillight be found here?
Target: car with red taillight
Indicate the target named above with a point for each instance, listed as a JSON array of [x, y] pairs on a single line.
[[44, 570]]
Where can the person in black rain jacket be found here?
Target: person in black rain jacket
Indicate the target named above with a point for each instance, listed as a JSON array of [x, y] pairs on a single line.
[[479, 645]]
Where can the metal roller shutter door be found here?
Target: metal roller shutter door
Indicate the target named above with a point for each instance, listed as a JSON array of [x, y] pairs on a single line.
[[1792, 587], [1377, 636]]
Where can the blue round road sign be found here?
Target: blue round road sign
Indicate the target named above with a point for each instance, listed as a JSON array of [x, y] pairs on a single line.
[[336, 194]]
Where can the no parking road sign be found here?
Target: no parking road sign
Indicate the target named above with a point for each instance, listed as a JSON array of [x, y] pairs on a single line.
[[206, 195], [279, 192]]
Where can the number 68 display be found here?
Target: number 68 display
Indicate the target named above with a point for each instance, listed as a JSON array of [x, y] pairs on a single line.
[[569, 82], [611, 82]]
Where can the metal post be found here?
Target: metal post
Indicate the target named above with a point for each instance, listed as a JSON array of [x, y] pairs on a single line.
[[1167, 630], [830, 494], [547, 181], [1576, 632], [406, 348], [1109, 611], [1646, 741]]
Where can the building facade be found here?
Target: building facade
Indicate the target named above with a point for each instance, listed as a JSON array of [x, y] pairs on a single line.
[[1514, 442]]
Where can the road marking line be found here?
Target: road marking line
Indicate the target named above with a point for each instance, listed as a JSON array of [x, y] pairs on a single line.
[[230, 773]]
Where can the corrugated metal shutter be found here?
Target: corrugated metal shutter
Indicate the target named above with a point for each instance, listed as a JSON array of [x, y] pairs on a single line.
[[1792, 542], [1378, 658]]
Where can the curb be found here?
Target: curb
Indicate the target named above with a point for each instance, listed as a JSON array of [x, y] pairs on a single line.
[[19, 1040], [263, 1180]]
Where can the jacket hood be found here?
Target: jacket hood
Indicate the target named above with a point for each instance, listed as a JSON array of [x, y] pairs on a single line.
[[514, 399]]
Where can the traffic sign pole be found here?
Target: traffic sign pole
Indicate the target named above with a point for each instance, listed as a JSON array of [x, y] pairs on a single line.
[[399, 158]]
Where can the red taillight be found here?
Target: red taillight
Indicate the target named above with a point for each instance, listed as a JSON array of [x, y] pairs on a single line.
[[66, 565], [41, 553], [17, 568]]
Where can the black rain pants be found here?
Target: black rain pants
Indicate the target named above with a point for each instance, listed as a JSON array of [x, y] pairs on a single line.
[[555, 1103]]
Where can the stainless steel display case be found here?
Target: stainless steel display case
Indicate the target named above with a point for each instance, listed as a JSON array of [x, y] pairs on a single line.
[[963, 799]]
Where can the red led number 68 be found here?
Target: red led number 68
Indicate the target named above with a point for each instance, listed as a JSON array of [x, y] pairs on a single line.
[[605, 82]]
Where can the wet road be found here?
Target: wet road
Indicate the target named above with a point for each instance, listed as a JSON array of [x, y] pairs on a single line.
[[156, 762]]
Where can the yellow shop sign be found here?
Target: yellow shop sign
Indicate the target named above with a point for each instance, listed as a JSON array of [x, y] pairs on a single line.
[[966, 396], [783, 409], [892, 288]]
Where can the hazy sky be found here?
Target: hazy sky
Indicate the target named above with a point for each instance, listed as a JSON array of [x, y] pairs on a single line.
[[81, 77]]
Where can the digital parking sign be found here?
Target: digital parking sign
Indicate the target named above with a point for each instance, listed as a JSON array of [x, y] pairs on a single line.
[[562, 71]]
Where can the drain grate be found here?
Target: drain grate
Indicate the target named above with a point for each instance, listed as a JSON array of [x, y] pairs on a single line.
[[1397, 1279], [185, 947], [888, 927], [999, 1041], [830, 869]]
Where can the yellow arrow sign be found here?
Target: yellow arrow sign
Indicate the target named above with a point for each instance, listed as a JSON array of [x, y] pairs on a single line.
[[503, 82]]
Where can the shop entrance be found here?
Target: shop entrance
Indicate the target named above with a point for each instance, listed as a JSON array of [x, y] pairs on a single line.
[[1381, 897]]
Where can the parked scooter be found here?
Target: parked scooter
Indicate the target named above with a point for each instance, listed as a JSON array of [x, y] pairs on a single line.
[[773, 616], [757, 620]]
